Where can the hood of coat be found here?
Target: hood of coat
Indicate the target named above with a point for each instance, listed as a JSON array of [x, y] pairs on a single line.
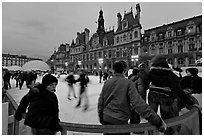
[[160, 76]]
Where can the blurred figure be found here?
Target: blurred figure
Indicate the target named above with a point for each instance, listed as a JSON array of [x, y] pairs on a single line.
[[43, 109], [192, 83], [16, 76], [71, 80], [119, 96], [105, 76], [83, 79], [100, 76], [6, 78]]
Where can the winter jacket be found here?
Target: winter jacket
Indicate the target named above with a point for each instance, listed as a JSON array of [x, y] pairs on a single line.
[[117, 97], [194, 83], [70, 79], [164, 78], [43, 111], [83, 79]]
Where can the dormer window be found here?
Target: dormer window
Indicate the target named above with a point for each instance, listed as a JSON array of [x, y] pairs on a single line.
[[169, 34], [190, 29], [125, 24], [160, 36], [179, 32]]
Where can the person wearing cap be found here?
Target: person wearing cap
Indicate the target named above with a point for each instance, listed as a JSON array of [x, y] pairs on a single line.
[[119, 96], [192, 83], [43, 110]]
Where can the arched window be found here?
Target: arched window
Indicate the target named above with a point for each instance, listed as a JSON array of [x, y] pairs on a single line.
[[180, 61], [117, 39], [130, 36], [190, 59], [170, 61], [180, 49], [136, 34], [124, 37]]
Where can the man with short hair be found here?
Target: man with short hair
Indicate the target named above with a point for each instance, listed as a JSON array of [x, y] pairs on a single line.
[[119, 96]]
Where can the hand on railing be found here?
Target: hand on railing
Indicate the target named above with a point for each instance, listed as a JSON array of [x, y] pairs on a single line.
[[163, 127]]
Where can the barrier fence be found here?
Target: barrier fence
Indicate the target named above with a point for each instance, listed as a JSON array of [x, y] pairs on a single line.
[[190, 123]]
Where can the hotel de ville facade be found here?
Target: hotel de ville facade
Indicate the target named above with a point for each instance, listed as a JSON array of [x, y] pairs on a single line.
[[180, 42]]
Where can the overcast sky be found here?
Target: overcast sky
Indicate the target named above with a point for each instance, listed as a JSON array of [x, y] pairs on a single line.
[[35, 29]]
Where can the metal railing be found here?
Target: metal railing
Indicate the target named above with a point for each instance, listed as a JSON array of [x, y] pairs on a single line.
[[190, 121]]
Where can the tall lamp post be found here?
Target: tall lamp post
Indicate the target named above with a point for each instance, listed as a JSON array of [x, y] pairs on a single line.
[[79, 63], [100, 61], [66, 64], [52, 66], [134, 59]]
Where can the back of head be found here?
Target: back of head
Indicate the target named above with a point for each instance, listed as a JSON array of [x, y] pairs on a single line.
[[193, 71], [159, 61], [135, 71], [119, 66]]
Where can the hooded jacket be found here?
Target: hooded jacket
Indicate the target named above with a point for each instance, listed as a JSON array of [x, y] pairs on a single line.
[[42, 109]]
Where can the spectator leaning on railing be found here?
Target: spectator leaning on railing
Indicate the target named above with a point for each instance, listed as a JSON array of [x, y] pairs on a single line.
[[119, 96]]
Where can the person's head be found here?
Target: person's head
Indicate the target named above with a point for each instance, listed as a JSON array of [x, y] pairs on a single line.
[[159, 61], [119, 66], [49, 82], [192, 72], [135, 71], [142, 66]]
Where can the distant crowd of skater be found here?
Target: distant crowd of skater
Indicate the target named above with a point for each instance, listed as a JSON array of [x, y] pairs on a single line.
[[122, 100]]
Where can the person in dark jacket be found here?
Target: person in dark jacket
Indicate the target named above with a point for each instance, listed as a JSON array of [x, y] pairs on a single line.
[[71, 80], [100, 76], [119, 96], [135, 117], [192, 83], [164, 89], [6, 78], [83, 79], [43, 110]]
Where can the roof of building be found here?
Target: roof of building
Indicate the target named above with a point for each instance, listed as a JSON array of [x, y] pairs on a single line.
[[131, 21], [175, 25]]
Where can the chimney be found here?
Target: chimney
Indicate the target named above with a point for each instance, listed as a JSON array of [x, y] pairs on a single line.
[[86, 35], [138, 11], [119, 19]]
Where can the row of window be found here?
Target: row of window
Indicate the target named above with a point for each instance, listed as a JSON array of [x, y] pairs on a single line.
[[181, 60], [180, 49], [169, 33]]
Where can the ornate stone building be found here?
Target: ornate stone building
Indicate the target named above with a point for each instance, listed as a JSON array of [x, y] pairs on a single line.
[[106, 47], [180, 42]]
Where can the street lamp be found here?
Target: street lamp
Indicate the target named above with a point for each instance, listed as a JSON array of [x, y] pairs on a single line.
[[79, 63], [52, 66], [66, 64], [100, 61], [134, 59]]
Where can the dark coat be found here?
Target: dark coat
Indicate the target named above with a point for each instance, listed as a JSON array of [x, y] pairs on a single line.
[[70, 79], [163, 77], [43, 111], [83, 79], [193, 83]]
